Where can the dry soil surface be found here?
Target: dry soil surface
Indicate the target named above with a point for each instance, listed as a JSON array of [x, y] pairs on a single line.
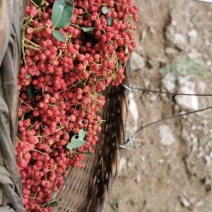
[[172, 172]]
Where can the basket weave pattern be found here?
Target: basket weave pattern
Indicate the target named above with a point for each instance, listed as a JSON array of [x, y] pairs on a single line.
[[86, 189]]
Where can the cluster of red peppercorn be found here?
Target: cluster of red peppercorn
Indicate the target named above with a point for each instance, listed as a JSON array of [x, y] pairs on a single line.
[[60, 86]]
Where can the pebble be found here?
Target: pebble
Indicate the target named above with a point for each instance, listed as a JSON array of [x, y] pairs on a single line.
[[176, 108], [179, 38], [207, 159], [161, 161], [153, 98], [193, 33], [192, 135], [136, 61], [207, 42], [199, 128], [201, 87], [133, 109], [138, 178], [205, 122], [143, 159], [187, 102], [146, 83], [166, 135], [194, 127], [169, 82], [184, 202], [195, 140], [174, 23], [129, 164], [122, 164], [193, 55], [200, 203], [209, 63]]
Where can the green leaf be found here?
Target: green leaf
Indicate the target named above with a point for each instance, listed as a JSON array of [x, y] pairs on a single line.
[[117, 64], [58, 35], [62, 12], [126, 50], [105, 10], [28, 76], [52, 203], [77, 140], [109, 21], [85, 153], [37, 3], [88, 29]]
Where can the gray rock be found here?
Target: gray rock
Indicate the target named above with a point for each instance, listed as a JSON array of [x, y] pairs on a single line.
[[136, 61], [122, 164], [201, 87], [179, 39], [187, 102], [166, 135], [169, 82], [138, 178], [184, 202], [143, 159], [174, 23], [153, 98], [193, 33], [193, 55]]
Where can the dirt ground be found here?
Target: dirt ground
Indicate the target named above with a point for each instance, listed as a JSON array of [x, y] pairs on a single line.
[[172, 172]]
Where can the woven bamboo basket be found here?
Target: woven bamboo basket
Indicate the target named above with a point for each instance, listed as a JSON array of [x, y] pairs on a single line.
[[87, 189]]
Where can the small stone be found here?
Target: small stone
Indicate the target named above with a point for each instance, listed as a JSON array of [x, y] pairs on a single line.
[[207, 159], [129, 164], [153, 98], [192, 200], [200, 203], [171, 51], [174, 23], [192, 135], [133, 108], [194, 127], [201, 87], [136, 61], [161, 161], [207, 42], [209, 63], [193, 33], [176, 108], [166, 135], [179, 38], [146, 83], [193, 55], [138, 178], [187, 102], [185, 202], [187, 81], [169, 82], [143, 159], [205, 122], [195, 140], [199, 128], [122, 164]]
